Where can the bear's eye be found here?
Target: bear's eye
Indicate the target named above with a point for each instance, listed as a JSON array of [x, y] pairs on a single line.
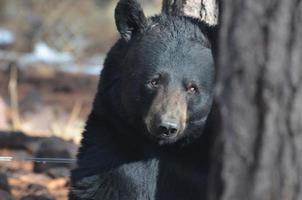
[[154, 83], [192, 89]]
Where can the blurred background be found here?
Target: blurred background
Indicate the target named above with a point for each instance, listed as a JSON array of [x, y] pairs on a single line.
[[51, 54]]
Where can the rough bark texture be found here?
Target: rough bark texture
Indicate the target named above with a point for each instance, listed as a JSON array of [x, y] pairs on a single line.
[[260, 84], [207, 10], [260, 97]]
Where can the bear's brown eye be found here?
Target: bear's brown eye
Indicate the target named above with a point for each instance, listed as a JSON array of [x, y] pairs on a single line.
[[192, 89], [154, 83]]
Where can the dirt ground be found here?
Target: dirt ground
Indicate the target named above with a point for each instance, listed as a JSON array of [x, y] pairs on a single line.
[[23, 183], [51, 106]]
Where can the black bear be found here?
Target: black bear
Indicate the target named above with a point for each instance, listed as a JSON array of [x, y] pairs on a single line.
[[147, 136]]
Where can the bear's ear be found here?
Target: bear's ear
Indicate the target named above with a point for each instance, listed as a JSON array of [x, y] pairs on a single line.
[[129, 18]]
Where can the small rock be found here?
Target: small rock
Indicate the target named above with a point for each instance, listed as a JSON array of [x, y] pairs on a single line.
[[4, 185], [58, 172], [37, 192], [13, 140], [54, 148], [37, 189]]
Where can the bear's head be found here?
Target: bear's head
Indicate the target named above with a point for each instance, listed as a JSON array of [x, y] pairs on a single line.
[[167, 73]]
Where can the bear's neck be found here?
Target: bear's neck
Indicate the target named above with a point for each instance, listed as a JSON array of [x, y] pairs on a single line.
[[105, 147]]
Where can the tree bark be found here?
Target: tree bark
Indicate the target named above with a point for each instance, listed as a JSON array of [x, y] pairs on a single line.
[[207, 10], [260, 82], [260, 98]]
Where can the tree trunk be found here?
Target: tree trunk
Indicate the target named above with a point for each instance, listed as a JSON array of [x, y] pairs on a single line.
[[207, 10], [260, 98], [260, 80]]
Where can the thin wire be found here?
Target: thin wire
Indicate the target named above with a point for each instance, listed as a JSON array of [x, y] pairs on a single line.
[[39, 160]]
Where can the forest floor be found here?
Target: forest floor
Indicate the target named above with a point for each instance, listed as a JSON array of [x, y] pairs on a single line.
[[50, 107], [23, 183]]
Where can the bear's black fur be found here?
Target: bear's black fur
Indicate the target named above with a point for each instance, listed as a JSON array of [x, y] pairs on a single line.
[[147, 136]]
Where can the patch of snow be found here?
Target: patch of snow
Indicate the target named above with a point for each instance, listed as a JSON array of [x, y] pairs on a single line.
[[83, 68], [7, 37], [43, 53], [62, 61], [92, 66]]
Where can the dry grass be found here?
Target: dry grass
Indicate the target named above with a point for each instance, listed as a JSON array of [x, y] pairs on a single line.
[[72, 128], [14, 102], [69, 128]]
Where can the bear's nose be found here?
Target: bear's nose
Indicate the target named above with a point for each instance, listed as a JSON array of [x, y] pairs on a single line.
[[168, 128]]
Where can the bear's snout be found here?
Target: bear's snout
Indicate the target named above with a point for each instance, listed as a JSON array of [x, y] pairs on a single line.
[[167, 115], [163, 128]]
